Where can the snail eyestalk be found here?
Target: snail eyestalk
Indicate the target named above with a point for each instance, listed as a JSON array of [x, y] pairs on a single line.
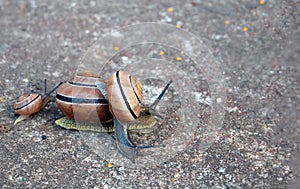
[[45, 86], [152, 107], [46, 98], [155, 103], [48, 94]]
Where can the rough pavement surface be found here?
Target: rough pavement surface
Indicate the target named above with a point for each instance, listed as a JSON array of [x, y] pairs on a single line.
[[256, 43]]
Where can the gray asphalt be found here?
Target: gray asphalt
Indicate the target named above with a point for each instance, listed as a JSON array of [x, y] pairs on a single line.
[[254, 43]]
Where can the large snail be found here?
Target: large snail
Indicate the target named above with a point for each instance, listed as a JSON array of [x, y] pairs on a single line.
[[123, 95], [80, 99], [28, 104]]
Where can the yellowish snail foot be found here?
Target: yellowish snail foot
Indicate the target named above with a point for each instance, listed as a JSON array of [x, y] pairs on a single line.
[[69, 123], [21, 118], [141, 124]]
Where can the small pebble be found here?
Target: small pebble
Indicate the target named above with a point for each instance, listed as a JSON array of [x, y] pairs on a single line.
[[43, 137], [124, 58]]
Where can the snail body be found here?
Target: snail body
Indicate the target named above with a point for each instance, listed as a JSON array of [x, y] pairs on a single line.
[[81, 100], [28, 104]]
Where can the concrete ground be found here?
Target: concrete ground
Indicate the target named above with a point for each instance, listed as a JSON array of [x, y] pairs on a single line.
[[254, 43]]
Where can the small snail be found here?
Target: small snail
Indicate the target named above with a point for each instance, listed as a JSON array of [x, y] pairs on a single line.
[[28, 104], [80, 99], [118, 100]]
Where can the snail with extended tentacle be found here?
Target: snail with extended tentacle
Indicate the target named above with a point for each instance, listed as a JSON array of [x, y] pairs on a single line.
[[125, 96], [83, 96], [28, 104]]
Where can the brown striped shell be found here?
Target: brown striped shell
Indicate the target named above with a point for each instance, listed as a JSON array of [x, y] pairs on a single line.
[[81, 100], [28, 104], [124, 96]]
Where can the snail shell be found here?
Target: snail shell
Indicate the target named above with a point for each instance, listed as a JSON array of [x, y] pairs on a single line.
[[124, 95], [28, 104], [81, 100]]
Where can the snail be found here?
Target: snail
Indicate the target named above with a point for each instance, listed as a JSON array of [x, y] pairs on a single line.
[[119, 101], [125, 97], [28, 104], [80, 99]]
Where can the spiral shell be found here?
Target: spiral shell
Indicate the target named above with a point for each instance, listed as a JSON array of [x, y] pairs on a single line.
[[28, 104], [81, 100], [124, 96]]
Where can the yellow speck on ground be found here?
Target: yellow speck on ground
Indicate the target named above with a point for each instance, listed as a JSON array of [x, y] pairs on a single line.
[[116, 48], [262, 2], [227, 22], [161, 53], [1, 99], [109, 165], [178, 58], [245, 29], [170, 9], [178, 25]]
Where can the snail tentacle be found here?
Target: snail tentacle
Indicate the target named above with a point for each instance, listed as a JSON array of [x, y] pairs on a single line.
[[155, 103], [46, 95]]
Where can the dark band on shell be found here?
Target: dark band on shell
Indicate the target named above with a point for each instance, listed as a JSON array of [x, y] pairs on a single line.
[[124, 96]]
